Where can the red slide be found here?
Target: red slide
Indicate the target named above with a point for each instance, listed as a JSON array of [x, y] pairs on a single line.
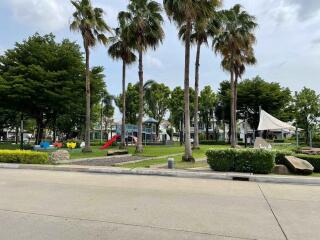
[[109, 143]]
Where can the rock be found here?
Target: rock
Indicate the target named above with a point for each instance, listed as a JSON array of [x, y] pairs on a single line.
[[60, 155], [280, 169], [299, 166]]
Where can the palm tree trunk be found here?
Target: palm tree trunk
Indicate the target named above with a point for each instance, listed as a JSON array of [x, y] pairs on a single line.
[[123, 127], [232, 122], [235, 107], [188, 152], [196, 102], [88, 103], [139, 147]]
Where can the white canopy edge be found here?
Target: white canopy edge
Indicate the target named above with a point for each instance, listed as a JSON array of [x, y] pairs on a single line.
[[269, 122]]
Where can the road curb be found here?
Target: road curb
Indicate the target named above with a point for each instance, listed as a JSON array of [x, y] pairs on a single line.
[[169, 173]]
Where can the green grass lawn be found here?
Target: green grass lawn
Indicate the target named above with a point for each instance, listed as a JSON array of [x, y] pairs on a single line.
[[198, 154], [315, 175], [149, 151]]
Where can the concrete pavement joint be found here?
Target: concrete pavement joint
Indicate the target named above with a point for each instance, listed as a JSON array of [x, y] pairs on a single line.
[[124, 224], [273, 213]]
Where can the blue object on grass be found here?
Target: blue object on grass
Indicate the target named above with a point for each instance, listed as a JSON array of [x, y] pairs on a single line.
[[44, 145]]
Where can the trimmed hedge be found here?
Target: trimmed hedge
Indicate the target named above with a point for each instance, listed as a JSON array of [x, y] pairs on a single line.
[[25, 157], [241, 160], [281, 156], [212, 142], [314, 160]]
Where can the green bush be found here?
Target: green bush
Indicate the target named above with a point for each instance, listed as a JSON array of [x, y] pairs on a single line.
[[279, 141], [280, 157], [24, 157], [221, 160], [314, 160], [212, 142], [241, 160]]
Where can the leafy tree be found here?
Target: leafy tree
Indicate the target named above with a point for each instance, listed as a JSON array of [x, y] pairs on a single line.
[[253, 93], [44, 80], [132, 103], [143, 22], [157, 102], [121, 49], [235, 43], [90, 23], [307, 109], [270, 96], [207, 104], [176, 106], [185, 13], [40, 78]]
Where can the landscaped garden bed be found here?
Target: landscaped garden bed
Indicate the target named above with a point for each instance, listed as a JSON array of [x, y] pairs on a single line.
[[24, 157]]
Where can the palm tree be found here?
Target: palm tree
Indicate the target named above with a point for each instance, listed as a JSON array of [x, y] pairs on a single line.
[[235, 44], [90, 23], [143, 22], [120, 49], [185, 13], [203, 28]]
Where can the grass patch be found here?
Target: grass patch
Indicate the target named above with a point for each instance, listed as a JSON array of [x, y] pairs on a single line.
[[9, 146], [96, 152], [315, 175], [198, 154]]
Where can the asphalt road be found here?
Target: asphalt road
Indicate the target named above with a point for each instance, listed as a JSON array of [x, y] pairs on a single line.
[[42, 205]]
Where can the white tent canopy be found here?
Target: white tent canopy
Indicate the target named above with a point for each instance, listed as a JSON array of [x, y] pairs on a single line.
[[268, 122]]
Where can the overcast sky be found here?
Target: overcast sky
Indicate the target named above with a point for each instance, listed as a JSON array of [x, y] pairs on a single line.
[[288, 46]]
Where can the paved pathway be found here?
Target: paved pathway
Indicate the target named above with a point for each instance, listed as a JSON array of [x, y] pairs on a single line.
[[42, 205]]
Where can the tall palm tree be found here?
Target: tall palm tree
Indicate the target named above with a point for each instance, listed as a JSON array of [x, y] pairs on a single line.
[[144, 29], [185, 13], [203, 28], [235, 44], [90, 23], [120, 49]]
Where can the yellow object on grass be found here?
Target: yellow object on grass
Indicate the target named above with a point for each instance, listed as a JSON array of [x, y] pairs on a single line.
[[71, 145]]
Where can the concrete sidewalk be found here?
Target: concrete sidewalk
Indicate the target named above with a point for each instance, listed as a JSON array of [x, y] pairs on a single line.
[[48, 205], [205, 174]]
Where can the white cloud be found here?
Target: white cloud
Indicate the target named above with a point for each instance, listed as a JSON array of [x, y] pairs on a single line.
[[48, 15], [154, 62]]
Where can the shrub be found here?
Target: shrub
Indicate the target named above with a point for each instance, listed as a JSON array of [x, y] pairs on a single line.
[[221, 160], [25, 157], [241, 160], [212, 142], [314, 160], [280, 157]]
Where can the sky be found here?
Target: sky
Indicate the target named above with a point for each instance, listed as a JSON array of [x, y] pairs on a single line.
[[287, 48]]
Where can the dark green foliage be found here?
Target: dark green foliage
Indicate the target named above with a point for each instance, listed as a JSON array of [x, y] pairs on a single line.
[[157, 98], [176, 106], [132, 103], [307, 109], [281, 156], [242, 160], [211, 142], [207, 103], [44, 80], [221, 160], [314, 160], [253, 93]]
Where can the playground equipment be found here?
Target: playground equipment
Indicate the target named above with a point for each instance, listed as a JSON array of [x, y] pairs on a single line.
[[110, 142]]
